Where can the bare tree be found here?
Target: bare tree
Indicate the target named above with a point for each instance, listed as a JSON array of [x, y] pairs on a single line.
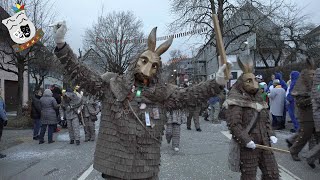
[[267, 19], [111, 36], [39, 13]]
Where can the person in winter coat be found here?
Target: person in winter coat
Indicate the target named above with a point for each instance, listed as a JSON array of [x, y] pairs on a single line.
[[214, 106], [294, 75], [3, 119], [70, 107], [270, 84], [36, 113], [48, 115], [89, 112], [277, 97], [302, 96]]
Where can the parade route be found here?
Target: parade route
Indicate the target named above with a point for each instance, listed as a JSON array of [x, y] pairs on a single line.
[[203, 155]]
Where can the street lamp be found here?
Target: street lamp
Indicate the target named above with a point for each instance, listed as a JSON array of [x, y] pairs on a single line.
[[174, 70]]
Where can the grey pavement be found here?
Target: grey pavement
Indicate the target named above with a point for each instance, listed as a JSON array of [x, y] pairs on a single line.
[[203, 155]]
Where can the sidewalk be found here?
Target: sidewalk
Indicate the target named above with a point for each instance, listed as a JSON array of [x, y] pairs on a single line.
[[14, 137]]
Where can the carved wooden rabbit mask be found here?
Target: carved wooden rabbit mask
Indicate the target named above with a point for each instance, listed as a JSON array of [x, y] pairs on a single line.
[[149, 61], [249, 81]]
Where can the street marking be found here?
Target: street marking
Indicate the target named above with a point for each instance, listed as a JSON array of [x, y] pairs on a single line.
[[284, 173], [86, 173]]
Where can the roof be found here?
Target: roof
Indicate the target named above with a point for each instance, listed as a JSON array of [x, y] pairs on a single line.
[[313, 32]]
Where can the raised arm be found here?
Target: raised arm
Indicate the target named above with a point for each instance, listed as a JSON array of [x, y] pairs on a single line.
[[191, 96], [73, 69], [182, 98]]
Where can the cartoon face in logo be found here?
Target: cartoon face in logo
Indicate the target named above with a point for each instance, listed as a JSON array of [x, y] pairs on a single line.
[[20, 28]]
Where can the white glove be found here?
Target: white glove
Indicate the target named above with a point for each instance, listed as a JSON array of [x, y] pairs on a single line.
[[220, 77], [79, 110], [61, 119], [251, 145], [273, 139], [59, 31]]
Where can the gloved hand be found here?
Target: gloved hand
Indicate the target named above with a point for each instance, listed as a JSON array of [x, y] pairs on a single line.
[[62, 119], [273, 139], [220, 77], [251, 145], [79, 110], [5, 123], [59, 31]]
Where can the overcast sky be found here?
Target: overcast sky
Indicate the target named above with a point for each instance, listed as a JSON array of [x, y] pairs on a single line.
[[81, 14]]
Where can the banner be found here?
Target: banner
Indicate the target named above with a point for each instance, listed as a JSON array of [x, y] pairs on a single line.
[[162, 38]]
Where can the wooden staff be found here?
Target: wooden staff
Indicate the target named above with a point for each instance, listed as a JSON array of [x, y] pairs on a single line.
[[220, 45], [271, 148]]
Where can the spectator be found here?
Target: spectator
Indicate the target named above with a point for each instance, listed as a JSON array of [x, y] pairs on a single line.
[[214, 106], [277, 101], [291, 104], [263, 93], [270, 84], [36, 113], [3, 119], [48, 116]]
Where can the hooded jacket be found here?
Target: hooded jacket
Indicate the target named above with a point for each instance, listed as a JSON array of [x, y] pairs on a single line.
[[48, 108], [282, 82]]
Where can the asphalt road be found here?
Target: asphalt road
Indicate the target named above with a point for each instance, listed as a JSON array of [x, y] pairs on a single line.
[[203, 155]]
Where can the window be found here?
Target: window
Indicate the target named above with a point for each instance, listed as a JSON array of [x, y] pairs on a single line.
[[234, 75]]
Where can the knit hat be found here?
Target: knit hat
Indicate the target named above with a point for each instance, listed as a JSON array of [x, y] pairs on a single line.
[[276, 81]]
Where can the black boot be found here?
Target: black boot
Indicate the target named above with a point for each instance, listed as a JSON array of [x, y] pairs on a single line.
[[41, 142], [71, 141], [77, 142], [295, 157], [189, 128], [289, 144], [199, 130], [2, 156]]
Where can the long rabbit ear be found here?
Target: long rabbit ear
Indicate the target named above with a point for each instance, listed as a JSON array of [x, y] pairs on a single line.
[[310, 63], [245, 62], [164, 46], [152, 39]]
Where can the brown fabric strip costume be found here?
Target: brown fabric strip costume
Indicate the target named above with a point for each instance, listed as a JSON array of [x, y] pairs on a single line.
[[241, 106], [124, 149]]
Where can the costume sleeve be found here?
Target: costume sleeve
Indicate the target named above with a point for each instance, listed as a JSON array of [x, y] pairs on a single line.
[[78, 72], [316, 86], [191, 96], [235, 124]]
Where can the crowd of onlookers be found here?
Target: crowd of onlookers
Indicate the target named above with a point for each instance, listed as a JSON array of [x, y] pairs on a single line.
[[66, 108]]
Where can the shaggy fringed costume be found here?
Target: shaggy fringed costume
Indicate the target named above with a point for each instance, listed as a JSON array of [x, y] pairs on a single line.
[[302, 94], [241, 109], [127, 148]]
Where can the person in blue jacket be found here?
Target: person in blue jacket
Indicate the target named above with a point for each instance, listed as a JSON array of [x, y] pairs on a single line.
[[3, 119], [294, 77]]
